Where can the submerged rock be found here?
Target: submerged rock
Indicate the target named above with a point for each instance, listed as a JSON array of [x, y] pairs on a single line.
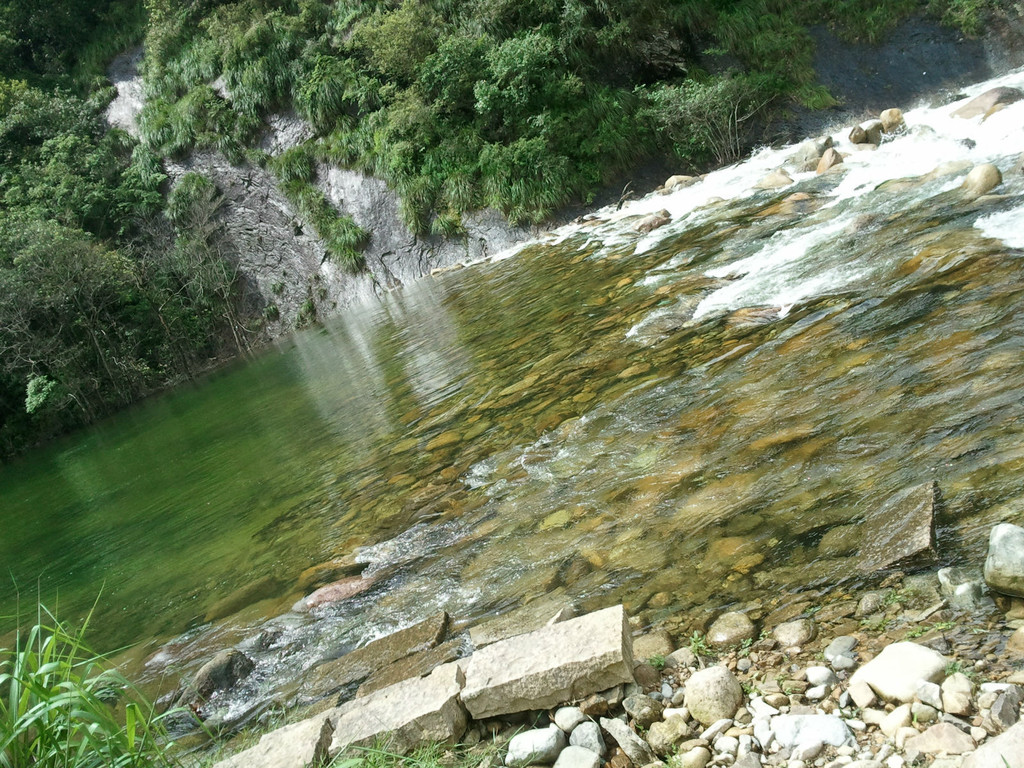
[[982, 179], [221, 673], [981, 105], [653, 221], [902, 529]]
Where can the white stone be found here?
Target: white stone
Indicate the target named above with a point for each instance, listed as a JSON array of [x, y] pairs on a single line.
[[760, 708], [537, 747], [730, 745], [956, 694], [551, 665], [894, 761], [862, 694], [410, 712], [807, 751], [682, 712], [894, 673], [568, 718], [821, 676], [793, 730], [716, 729], [577, 757], [1003, 751], [901, 717]]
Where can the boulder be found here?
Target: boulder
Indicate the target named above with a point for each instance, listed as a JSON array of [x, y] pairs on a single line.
[[893, 674], [829, 159], [981, 180], [636, 749], [299, 745], [1004, 751], [567, 718], [775, 180], [795, 633], [867, 133], [981, 105], [220, 673], [552, 665], [901, 530], [361, 663], [730, 629], [713, 694], [541, 746], [892, 120], [652, 221], [407, 714], [941, 738], [805, 157], [1004, 566]]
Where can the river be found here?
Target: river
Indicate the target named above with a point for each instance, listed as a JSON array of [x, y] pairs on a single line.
[[678, 421]]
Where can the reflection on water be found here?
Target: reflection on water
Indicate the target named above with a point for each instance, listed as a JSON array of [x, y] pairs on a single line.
[[701, 415]]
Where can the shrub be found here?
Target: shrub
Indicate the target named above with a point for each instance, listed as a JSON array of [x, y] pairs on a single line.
[[62, 707]]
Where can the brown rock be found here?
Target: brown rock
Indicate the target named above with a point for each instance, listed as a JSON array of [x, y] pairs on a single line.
[[332, 570], [335, 592], [652, 221], [982, 179], [892, 120], [775, 180], [1015, 644], [982, 104], [828, 160], [902, 529]]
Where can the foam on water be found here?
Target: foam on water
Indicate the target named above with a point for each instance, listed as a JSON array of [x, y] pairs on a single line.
[[1007, 226]]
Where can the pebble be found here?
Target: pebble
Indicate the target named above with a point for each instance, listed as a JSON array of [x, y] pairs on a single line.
[[567, 718]]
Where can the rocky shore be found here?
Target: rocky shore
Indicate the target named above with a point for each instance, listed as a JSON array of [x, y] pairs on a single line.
[[922, 669]]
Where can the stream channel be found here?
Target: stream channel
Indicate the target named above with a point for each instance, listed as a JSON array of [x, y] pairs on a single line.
[[672, 420]]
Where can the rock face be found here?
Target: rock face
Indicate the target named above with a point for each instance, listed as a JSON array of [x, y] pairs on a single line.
[[1004, 566], [552, 665], [713, 694], [281, 260], [900, 530], [374, 656], [980, 105], [409, 713], [893, 674]]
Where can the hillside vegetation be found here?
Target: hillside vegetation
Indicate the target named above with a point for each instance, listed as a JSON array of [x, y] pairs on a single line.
[[112, 285]]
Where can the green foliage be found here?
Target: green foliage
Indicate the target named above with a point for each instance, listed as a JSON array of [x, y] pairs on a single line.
[[699, 645], [61, 706], [657, 661], [343, 237]]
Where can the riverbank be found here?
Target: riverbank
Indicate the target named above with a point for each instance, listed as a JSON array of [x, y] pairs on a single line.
[[916, 669]]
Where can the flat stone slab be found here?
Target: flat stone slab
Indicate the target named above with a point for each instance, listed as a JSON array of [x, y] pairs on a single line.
[[405, 715], [297, 745], [553, 665], [551, 608], [358, 665], [901, 529], [417, 665]]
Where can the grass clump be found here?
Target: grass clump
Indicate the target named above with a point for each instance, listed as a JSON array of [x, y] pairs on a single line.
[[61, 706], [432, 755]]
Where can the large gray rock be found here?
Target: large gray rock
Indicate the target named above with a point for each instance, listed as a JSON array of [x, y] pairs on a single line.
[[552, 665], [406, 715], [537, 747], [1004, 751], [636, 749], [713, 694], [980, 105], [982, 179], [359, 664], [902, 529], [1004, 566], [299, 745], [893, 674]]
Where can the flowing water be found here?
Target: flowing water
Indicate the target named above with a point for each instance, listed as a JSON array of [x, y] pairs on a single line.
[[672, 420]]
